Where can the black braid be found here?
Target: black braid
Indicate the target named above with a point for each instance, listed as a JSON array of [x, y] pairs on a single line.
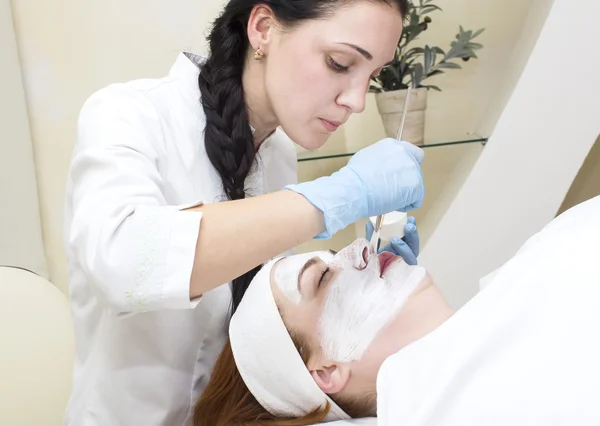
[[228, 137]]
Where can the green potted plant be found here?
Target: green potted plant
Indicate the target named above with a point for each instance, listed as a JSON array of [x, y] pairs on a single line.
[[412, 66]]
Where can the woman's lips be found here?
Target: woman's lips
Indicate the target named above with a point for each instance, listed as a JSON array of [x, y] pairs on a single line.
[[330, 126], [385, 260]]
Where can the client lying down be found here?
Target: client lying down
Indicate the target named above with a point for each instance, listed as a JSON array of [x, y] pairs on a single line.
[[324, 337]]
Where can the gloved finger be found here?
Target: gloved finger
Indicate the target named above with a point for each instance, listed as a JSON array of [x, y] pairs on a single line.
[[411, 236], [400, 248], [417, 152], [411, 219], [369, 228], [419, 194]]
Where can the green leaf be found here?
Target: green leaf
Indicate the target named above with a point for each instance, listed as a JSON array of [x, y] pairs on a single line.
[[428, 60], [439, 51], [418, 75], [414, 18], [436, 72], [478, 32], [411, 32], [449, 65], [432, 87], [413, 52], [410, 62], [474, 46], [430, 8], [396, 73]]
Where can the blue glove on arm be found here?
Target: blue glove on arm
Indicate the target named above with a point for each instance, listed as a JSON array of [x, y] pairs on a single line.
[[380, 178], [407, 248]]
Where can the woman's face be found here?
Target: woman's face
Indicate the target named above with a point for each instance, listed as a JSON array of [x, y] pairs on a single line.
[[345, 305], [317, 74]]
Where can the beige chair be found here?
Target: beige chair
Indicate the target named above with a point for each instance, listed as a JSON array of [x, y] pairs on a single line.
[[36, 331]]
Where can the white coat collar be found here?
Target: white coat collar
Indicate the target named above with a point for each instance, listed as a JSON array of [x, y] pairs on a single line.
[[187, 67]]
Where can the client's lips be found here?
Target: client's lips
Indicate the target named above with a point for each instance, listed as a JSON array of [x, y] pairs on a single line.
[[385, 260]]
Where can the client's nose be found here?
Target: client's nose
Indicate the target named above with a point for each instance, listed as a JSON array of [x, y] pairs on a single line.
[[362, 254], [356, 255]]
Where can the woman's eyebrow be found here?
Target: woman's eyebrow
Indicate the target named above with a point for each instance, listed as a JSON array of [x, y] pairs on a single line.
[[360, 50], [304, 268]]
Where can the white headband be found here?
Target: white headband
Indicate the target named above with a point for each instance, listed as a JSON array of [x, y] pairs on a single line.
[[268, 360]]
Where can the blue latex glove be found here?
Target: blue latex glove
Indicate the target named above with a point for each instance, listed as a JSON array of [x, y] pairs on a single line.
[[407, 248], [380, 178]]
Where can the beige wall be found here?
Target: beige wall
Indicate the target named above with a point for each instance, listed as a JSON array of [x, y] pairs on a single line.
[[446, 169], [20, 228], [539, 144], [587, 183], [71, 48]]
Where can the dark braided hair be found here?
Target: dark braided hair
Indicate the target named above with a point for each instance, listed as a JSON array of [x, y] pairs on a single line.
[[228, 137]]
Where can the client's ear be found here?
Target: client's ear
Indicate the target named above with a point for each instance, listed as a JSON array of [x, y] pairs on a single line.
[[332, 379]]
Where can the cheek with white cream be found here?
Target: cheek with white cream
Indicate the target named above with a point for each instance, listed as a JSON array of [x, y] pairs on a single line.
[[361, 302]]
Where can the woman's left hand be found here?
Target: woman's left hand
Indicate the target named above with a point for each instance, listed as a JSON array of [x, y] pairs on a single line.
[[407, 247]]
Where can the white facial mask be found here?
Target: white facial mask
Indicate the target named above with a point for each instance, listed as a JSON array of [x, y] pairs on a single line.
[[360, 303], [287, 270]]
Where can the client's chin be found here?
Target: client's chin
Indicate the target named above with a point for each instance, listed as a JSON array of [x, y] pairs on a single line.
[[424, 310]]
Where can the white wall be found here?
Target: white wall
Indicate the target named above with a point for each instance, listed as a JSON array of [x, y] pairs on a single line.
[[539, 143]]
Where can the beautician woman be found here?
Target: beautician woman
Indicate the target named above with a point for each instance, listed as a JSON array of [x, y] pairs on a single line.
[[180, 185]]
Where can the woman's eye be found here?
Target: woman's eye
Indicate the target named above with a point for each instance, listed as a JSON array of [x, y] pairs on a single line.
[[335, 66], [323, 277]]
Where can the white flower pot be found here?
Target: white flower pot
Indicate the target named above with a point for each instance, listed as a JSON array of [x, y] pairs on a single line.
[[390, 105]]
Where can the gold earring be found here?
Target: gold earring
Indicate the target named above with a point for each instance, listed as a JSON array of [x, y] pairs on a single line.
[[259, 54]]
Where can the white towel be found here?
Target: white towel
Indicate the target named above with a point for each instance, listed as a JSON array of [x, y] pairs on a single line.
[[267, 359]]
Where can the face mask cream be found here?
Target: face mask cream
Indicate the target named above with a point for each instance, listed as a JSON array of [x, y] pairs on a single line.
[[287, 270], [361, 302]]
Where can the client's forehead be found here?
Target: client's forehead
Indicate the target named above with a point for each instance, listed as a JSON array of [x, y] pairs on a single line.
[[303, 258]]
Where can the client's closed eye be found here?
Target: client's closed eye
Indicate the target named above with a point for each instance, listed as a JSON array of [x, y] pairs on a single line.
[[314, 275], [326, 271]]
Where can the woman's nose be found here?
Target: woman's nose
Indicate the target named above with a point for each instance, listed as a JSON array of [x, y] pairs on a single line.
[[354, 98]]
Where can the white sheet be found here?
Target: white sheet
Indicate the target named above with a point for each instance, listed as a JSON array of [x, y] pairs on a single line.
[[371, 421], [524, 351]]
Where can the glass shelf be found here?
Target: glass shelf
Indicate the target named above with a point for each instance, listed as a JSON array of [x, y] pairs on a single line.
[[446, 167], [321, 154]]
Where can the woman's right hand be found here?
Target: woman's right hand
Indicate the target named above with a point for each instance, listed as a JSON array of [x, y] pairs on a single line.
[[381, 178]]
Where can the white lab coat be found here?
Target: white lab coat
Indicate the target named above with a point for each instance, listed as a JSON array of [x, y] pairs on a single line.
[[144, 350], [524, 352]]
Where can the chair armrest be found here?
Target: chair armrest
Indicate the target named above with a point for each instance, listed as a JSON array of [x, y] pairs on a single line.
[[37, 341]]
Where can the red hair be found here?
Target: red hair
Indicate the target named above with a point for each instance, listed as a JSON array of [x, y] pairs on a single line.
[[226, 401]]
